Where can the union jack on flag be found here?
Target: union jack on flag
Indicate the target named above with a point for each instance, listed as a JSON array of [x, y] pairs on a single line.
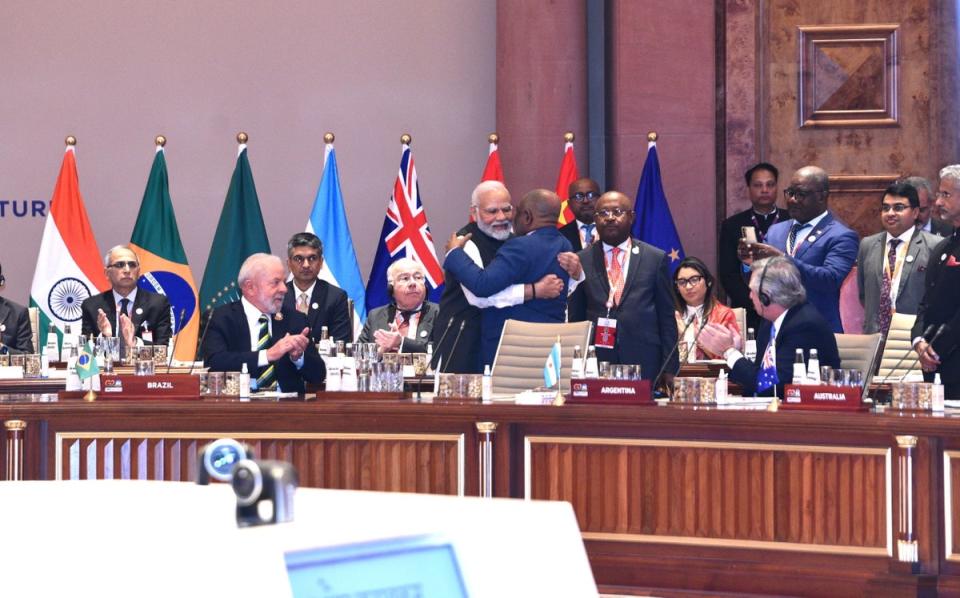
[[405, 233]]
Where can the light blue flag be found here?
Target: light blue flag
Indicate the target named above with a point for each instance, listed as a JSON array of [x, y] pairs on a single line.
[[551, 370], [328, 221], [654, 223]]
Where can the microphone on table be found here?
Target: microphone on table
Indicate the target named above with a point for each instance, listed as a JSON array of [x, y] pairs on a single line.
[[940, 331], [453, 347], [436, 352], [176, 339], [666, 361], [203, 335]]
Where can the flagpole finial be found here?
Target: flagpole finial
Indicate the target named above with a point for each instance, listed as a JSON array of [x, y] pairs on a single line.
[[405, 139], [242, 137], [568, 137], [160, 140], [652, 136], [328, 137], [71, 140], [493, 138]]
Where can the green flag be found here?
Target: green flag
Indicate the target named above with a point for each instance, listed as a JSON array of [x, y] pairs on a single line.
[[240, 234], [87, 366], [163, 263]]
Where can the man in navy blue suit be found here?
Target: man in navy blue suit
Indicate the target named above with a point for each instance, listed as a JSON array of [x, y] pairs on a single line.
[[791, 323], [524, 259], [822, 248], [275, 345]]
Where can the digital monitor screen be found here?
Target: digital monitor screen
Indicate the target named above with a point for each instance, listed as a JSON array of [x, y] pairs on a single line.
[[412, 567]]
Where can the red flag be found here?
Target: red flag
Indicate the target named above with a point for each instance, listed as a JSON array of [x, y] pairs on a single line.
[[568, 174], [493, 171]]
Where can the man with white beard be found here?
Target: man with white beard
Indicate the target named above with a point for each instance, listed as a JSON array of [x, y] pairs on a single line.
[[493, 224]]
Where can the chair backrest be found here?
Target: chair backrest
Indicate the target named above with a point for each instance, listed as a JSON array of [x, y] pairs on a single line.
[[859, 351], [34, 315], [897, 350], [523, 351], [741, 315]]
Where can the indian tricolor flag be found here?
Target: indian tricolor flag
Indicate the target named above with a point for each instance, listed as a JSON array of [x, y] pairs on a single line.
[[69, 267], [163, 263]]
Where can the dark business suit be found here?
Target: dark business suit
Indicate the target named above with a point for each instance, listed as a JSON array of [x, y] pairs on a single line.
[[939, 227], [150, 308], [646, 328], [571, 231], [940, 306], [382, 317], [327, 307], [15, 331], [521, 260], [802, 328], [733, 274], [824, 258], [226, 347], [871, 263]]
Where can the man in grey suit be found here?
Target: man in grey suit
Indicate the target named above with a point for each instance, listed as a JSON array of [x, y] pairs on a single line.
[[404, 325], [891, 264]]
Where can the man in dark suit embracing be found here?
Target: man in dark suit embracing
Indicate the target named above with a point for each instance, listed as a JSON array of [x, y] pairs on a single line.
[[254, 331]]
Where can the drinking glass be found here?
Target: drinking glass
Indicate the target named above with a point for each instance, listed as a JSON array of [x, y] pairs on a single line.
[[604, 369]]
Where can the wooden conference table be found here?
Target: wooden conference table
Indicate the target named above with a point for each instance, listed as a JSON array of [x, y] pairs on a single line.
[[743, 501]]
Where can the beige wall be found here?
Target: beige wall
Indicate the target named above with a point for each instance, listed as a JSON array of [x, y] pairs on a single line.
[[117, 73]]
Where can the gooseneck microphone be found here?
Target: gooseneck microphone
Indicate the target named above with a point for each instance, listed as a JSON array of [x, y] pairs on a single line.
[[666, 361], [936, 337], [203, 335], [453, 347], [436, 349], [176, 339]]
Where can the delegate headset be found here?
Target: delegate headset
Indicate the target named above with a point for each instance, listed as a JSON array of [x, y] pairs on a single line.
[[763, 297]]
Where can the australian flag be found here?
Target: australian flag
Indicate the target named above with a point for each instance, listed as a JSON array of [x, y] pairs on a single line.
[[767, 376], [654, 224], [405, 233]]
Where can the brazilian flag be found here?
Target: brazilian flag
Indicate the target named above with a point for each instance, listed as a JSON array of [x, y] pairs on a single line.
[[163, 263], [87, 366]]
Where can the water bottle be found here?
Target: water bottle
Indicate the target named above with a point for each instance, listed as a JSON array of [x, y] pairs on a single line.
[[799, 368], [244, 381], [486, 388], [325, 344], [576, 370], [750, 345], [591, 368], [936, 397], [813, 368], [68, 342]]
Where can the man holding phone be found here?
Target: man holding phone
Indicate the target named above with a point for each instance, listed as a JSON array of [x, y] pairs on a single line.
[[751, 223]]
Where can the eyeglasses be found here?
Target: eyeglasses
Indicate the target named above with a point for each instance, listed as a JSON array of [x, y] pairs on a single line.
[[121, 265], [406, 278], [507, 210], [801, 194], [581, 197], [612, 212], [313, 258], [897, 208], [689, 282], [944, 194]]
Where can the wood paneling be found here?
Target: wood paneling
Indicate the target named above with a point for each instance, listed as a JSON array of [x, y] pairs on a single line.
[[823, 496], [427, 463]]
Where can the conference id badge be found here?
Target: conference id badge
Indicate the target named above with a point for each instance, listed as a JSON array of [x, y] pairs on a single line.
[[606, 333]]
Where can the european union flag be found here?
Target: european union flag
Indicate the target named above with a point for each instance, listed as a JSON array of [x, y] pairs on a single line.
[[654, 224]]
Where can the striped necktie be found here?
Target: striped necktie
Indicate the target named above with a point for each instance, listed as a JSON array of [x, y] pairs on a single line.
[[267, 379]]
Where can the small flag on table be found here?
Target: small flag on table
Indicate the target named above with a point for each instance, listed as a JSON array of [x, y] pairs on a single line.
[[87, 366], [551, 370]]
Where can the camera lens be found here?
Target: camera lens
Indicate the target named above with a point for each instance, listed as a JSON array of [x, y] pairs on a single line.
[[247, 482]]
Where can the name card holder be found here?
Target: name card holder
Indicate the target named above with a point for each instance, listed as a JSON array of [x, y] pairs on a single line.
[[167, 387], [823, 398], [603, 391]]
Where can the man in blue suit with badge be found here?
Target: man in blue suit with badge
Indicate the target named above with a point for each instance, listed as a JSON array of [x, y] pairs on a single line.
[[524, 259], [821, 247]]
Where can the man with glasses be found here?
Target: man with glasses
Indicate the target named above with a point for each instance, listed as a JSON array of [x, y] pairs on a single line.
[[936, 333], [891, 264], [321, 302], [823, 248], [626, 291], [763, 213], [926, 220], [582, 199], [492, 225], [404, 324], [135, 314]]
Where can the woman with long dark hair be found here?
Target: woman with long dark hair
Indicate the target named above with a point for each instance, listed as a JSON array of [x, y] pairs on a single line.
[[694, 296]]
